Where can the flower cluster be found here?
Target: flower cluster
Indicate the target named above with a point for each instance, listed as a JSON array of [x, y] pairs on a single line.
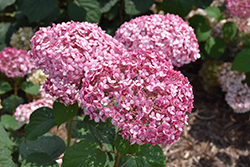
[[15, 63], [240, 8], [38, 77], [208, 72], [143, 95], [23, 111], [238, 93], [65, 50], [140, 90], [167, 34], [21, 39]]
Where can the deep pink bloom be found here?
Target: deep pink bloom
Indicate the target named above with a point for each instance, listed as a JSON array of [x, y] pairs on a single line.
[[167, 34], [237, 92], [240, 8], [63, 51], [23, 111], [15, 63], [142, 94]]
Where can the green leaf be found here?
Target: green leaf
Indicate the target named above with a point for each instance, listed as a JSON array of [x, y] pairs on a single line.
[[5, 149], [147, 156], [242, 61], [247, 80], [39, 159], [10, 122], [85, 153], [178, 7], [85, 10], [30, 87], [215, 47], [202, 3], [106, 5], [38, 9], [8, 103], [64, 113], [4, 87], [214, 12], [136, 7], [41, 121], [4, 4], [229, 30], [123, 146], [4, 27], [101, 132], [52, 145], [75, 133], [201, 29]]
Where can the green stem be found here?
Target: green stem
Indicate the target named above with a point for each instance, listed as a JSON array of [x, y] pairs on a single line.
[[69, 132], [15, 94], [117, 159]]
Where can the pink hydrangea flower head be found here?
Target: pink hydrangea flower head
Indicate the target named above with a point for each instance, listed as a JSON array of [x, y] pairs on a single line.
[[167, 34], [63, 50], [23, 111], [228, 77], [240, 8], [143, 95], [15, 63], [237, 92]]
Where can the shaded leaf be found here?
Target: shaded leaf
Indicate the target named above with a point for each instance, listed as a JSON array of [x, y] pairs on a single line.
[[5, 3], [5, 149], [4, 27], [202, 31], [10, 122], [106, 5], [242, 60], [214, 12], [41, 121], [136, 7], [85, 153], [38, 9], [215, 47], [8, 103], [30, 87], [85, 10], [229, 30], [178, 7], [147, 156], [39, 159], [4, 87], [101, 132], [52, 145], [64, 113], [123, 146]]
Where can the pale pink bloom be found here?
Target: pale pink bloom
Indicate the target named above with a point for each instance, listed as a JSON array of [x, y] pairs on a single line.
[[15, 63], [237, 92], [23, 111], [63, 51], [142, 94], [167, 34], [240, 8]]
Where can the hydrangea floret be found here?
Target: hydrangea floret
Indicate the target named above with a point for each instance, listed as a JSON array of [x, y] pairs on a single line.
[[15, 63], [21, 39], [240, 8], [38, 77], [168, 34], [237, 92], [142, 94], [23, 111], [64, 52]]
